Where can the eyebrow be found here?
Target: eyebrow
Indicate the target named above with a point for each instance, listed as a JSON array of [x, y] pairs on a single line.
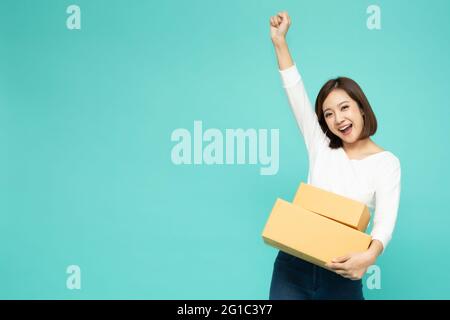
[[337, 105]]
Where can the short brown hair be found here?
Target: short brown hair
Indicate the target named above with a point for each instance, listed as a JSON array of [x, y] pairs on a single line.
[[356, 93]]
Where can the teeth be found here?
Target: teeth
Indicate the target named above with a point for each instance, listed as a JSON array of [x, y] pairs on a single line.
[[344, 128]]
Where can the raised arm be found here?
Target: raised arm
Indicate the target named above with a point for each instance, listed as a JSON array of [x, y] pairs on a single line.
[[293, 85], [279, 26]]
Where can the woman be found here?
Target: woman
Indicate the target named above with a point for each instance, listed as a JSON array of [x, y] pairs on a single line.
[[342, 159]]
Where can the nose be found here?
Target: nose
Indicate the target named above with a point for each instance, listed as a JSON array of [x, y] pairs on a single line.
[[338, 119]]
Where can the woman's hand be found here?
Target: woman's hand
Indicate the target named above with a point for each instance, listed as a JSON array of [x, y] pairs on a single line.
[[352, 266], [279, 26]]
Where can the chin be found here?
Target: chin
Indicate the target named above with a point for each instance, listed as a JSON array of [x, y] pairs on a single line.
[[349, 140]]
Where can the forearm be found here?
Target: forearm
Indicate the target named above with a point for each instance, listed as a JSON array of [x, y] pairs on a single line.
[[375, 249], [283, 56]]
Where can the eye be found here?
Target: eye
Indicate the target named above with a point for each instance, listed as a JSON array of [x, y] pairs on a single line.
[[328, 114], [344, 107]]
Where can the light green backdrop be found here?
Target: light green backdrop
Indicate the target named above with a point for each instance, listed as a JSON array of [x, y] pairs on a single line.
[[86, 116]]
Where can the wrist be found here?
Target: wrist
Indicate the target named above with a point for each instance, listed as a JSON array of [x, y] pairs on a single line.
[[371, 256], [279, 42], [375, 249]]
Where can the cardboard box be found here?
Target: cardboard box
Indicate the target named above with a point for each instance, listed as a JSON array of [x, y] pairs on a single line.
[[352, 213], [310, 236]]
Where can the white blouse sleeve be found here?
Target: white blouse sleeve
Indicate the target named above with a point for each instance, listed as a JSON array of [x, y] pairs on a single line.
[[387, 198], [306, 118]]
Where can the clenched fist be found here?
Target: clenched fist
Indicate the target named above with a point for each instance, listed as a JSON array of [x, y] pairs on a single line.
[[279, 26]]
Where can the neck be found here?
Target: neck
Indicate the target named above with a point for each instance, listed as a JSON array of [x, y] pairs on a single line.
[[357, 145]]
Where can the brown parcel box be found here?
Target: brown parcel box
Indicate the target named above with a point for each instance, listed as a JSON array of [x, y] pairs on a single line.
[[353, 213], [310, 236]]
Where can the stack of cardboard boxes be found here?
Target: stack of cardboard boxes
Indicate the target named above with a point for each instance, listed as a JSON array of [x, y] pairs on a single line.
[[318, 226]]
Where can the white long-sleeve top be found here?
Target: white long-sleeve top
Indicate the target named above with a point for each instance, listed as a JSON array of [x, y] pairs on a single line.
[[374, 180]]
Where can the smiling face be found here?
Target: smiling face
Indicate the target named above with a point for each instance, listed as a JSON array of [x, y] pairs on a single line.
[[342, 112]]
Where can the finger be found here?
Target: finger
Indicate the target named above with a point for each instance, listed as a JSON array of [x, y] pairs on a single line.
[[351, 277], [347, 274], [278, 19], [272, 21], [275, 21], [337, 266], [337, 259], [283, 14], [343, 273], [341, 259], [286, 16]]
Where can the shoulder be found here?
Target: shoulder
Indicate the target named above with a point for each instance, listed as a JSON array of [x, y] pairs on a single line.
[[388, 169], [388, 158], [391, 159]]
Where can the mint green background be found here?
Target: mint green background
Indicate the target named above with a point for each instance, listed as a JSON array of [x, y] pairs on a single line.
[[86, 116]]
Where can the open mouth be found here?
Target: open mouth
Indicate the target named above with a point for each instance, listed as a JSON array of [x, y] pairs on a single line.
[[346, 130]]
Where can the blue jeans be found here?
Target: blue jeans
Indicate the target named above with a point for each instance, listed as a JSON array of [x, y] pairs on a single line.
[[296, 279]]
